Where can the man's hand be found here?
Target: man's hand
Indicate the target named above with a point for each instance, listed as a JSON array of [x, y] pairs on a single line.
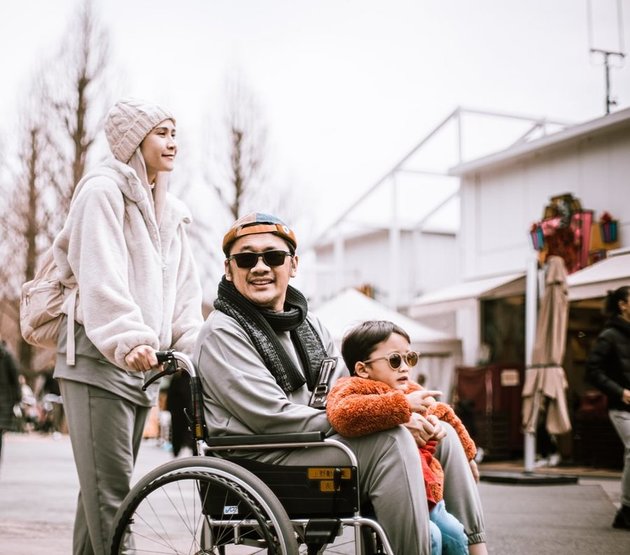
[[420, 400], [424, 429], [475, 470], [141, 358], [625, 396]]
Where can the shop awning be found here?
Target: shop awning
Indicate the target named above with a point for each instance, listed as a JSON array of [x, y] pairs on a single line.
[[451, 298], [593, 281]]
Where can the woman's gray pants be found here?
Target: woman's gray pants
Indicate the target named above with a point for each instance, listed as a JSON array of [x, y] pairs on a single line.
[[106, 432]]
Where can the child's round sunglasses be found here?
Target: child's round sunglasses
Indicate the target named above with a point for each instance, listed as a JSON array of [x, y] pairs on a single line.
[[250, 259], [395, 359]]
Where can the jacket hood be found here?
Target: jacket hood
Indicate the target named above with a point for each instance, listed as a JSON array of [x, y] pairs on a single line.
[[132, 187]]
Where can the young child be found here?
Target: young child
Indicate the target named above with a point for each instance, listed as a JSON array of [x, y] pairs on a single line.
[[379, 395]]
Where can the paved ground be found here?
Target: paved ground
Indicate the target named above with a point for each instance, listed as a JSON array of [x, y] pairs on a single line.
[[38, 488]]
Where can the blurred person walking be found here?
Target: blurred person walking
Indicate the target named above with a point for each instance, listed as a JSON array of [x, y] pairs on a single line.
[[10, 392], [608, 369], [179, 404]]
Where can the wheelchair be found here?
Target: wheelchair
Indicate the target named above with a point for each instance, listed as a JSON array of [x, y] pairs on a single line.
[[219, 503]]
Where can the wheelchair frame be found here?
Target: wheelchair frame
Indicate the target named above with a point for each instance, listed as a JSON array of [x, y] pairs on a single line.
[[219, 503]]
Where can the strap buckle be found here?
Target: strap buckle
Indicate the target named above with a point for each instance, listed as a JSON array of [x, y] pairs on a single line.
[[320, 391]]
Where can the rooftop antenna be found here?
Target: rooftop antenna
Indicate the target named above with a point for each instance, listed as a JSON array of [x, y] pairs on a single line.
[[606, 53]]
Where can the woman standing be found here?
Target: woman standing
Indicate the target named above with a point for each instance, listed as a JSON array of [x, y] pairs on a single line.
[[124, 245], [608, 369]]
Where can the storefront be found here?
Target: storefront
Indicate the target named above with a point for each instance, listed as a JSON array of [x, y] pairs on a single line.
[[487, 315]]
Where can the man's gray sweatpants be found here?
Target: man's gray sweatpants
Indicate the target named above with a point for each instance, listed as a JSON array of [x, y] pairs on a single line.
[[390, 475], [461, 494]]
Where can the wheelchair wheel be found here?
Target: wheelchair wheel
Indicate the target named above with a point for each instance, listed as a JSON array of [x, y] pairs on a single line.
[[201, 506]]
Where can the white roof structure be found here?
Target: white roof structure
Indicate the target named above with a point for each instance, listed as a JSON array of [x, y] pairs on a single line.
[[616, 120], [420, 191], [350, 307], [594, 280], [450, 298]]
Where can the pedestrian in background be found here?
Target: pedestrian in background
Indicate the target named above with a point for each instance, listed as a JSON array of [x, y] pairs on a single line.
[[179, 404], [125, 245], [10, 392], [608, 369]]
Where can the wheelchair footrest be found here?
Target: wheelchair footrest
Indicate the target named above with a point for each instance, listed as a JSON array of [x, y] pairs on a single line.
[[321, 531]]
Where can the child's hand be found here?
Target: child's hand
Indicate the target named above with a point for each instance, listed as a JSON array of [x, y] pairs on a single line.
[[425, 429], [421, 429], [438, 433], [420, 400]]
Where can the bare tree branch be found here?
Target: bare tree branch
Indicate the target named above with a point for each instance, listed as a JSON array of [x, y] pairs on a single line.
[[59, 120], [238, 163]]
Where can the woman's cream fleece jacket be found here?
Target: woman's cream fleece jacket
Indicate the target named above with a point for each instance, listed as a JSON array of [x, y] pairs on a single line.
[[138, 283]]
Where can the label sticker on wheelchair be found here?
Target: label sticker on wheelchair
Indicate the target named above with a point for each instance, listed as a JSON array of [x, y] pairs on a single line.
[[230, 510], [328, 473], [328, 486]]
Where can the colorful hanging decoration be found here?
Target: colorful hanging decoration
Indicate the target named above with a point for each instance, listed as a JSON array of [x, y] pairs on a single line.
[[608, 228], [537, 236], [566, 232]]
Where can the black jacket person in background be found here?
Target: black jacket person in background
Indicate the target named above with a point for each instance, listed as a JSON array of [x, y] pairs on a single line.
[[608, 369]]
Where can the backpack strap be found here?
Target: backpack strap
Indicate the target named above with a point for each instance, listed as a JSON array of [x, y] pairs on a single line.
[[70, 346]]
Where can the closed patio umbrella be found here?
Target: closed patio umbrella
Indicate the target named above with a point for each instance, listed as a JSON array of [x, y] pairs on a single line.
[[545, 381]]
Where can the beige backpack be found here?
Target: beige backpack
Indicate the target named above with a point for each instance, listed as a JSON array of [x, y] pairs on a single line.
[[43, 303]]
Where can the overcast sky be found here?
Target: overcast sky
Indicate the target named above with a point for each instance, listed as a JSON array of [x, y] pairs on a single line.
[[347, 86]]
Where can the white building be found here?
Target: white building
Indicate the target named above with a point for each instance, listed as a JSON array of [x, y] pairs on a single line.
[[477, 280], [501, 195], [493, 308]]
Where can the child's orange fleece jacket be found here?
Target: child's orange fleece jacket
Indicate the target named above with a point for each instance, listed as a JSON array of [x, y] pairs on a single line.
[[359, 406]]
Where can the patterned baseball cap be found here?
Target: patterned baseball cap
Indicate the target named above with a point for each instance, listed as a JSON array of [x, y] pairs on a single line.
[[258, 223]]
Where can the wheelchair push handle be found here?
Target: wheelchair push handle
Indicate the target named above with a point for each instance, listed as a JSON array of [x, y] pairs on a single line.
[[164, 356], [174, 361], [177, 360], [167, 359]]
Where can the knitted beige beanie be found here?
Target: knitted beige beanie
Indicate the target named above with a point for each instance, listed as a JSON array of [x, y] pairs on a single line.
[[129, 122]]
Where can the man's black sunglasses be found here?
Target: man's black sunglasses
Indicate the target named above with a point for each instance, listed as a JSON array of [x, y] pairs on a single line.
[[250, 259]]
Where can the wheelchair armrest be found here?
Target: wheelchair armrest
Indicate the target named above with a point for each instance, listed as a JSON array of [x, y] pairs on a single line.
[[265, 439]]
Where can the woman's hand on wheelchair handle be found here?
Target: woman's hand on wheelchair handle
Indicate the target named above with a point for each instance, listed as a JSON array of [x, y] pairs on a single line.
[[141, 358]]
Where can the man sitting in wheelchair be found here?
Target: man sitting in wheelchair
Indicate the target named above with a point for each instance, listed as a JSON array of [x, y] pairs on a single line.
[[258, 357]]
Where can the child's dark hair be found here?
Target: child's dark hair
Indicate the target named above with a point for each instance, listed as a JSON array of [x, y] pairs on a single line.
[[359, 342], [611, 305]]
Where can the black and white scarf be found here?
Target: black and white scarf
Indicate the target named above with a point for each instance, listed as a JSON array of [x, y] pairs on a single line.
[[262, 325]]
